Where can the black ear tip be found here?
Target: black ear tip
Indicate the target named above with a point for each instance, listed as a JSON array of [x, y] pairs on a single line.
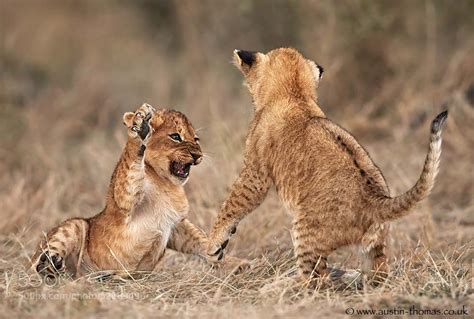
[[321, 70], [247, 57]]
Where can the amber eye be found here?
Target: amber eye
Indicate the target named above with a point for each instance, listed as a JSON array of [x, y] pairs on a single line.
[[176, 137]]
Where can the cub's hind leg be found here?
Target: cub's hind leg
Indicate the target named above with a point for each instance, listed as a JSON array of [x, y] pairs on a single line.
[[374, 249], [311, 249], [63, 243]]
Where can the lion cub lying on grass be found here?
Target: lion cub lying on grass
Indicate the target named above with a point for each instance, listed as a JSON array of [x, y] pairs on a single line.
[[335, 193], [146, 205]]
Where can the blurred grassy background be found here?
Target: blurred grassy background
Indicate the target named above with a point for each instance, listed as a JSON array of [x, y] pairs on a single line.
[[69, 69]]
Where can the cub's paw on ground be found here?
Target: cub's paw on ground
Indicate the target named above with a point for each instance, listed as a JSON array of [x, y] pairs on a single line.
[[346, 278], [50, 264], [231, 265], [218, 242], [235, 265]]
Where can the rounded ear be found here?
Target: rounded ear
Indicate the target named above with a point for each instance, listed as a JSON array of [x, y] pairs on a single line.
[[127, 119], [317, 71], [245, 60]]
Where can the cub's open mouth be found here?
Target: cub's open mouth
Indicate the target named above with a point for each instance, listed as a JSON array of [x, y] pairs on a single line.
[[180, 170]]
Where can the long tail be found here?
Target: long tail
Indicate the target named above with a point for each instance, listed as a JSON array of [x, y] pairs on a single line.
[[388, 208]]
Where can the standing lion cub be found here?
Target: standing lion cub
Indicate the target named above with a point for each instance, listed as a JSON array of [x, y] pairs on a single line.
[[335, 193], [146, 206]]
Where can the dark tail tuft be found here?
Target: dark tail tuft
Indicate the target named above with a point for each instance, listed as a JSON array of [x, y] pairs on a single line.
[[438, 122]]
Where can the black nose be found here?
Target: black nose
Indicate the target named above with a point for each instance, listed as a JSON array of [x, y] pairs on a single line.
[[196, 157]]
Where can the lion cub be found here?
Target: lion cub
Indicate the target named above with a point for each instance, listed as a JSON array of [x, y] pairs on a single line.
[[324, 177], [146, 206]]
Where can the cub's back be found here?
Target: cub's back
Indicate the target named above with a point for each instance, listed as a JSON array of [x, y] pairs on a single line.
[[317, 160]]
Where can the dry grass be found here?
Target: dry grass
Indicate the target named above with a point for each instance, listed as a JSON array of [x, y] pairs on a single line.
[[69, 71]]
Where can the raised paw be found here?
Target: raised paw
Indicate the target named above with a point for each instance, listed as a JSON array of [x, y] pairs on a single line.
[[50, 263], [138, 123], [218, 243]]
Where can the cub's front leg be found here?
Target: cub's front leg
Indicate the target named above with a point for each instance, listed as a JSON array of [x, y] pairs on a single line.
[[189, 239], [127, 182], [248, 192]]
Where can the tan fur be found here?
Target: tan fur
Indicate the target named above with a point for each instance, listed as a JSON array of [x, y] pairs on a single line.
[[327, 181], [146, 206]]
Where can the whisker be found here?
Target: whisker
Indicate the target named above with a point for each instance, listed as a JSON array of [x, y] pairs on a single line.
[[207, 155], [207, 161]]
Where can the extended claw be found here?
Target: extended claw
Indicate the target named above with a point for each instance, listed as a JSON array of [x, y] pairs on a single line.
[[217, 246]]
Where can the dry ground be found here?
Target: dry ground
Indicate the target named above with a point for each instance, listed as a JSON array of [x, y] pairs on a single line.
[[70, 70]]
